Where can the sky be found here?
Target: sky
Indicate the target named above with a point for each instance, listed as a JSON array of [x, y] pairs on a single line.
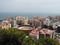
[[30, 6]]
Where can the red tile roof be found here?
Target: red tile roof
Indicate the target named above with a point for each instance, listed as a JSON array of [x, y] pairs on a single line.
[[42, 31]]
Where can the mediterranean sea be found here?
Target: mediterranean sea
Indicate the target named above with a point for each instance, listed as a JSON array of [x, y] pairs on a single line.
[[30, 15]]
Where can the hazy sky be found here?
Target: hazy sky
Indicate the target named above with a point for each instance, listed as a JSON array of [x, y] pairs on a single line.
[[34, 6]]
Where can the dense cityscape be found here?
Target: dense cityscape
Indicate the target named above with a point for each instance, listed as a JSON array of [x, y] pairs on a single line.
[[29, 22], [36, 27]]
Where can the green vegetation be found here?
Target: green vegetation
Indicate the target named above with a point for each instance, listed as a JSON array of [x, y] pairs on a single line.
[[57, 35], [15, 37]]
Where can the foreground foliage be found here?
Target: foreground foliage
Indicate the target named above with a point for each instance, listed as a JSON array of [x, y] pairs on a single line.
[[15, 37]]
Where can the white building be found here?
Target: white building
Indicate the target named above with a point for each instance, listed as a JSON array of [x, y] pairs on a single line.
[[15, 24], [6, 25]]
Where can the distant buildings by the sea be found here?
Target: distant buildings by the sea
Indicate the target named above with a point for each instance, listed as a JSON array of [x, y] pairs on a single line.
[[37, 26]]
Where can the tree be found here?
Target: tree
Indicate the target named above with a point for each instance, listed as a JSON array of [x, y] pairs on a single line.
[[58, 29], [48, 41], [11, 37]]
